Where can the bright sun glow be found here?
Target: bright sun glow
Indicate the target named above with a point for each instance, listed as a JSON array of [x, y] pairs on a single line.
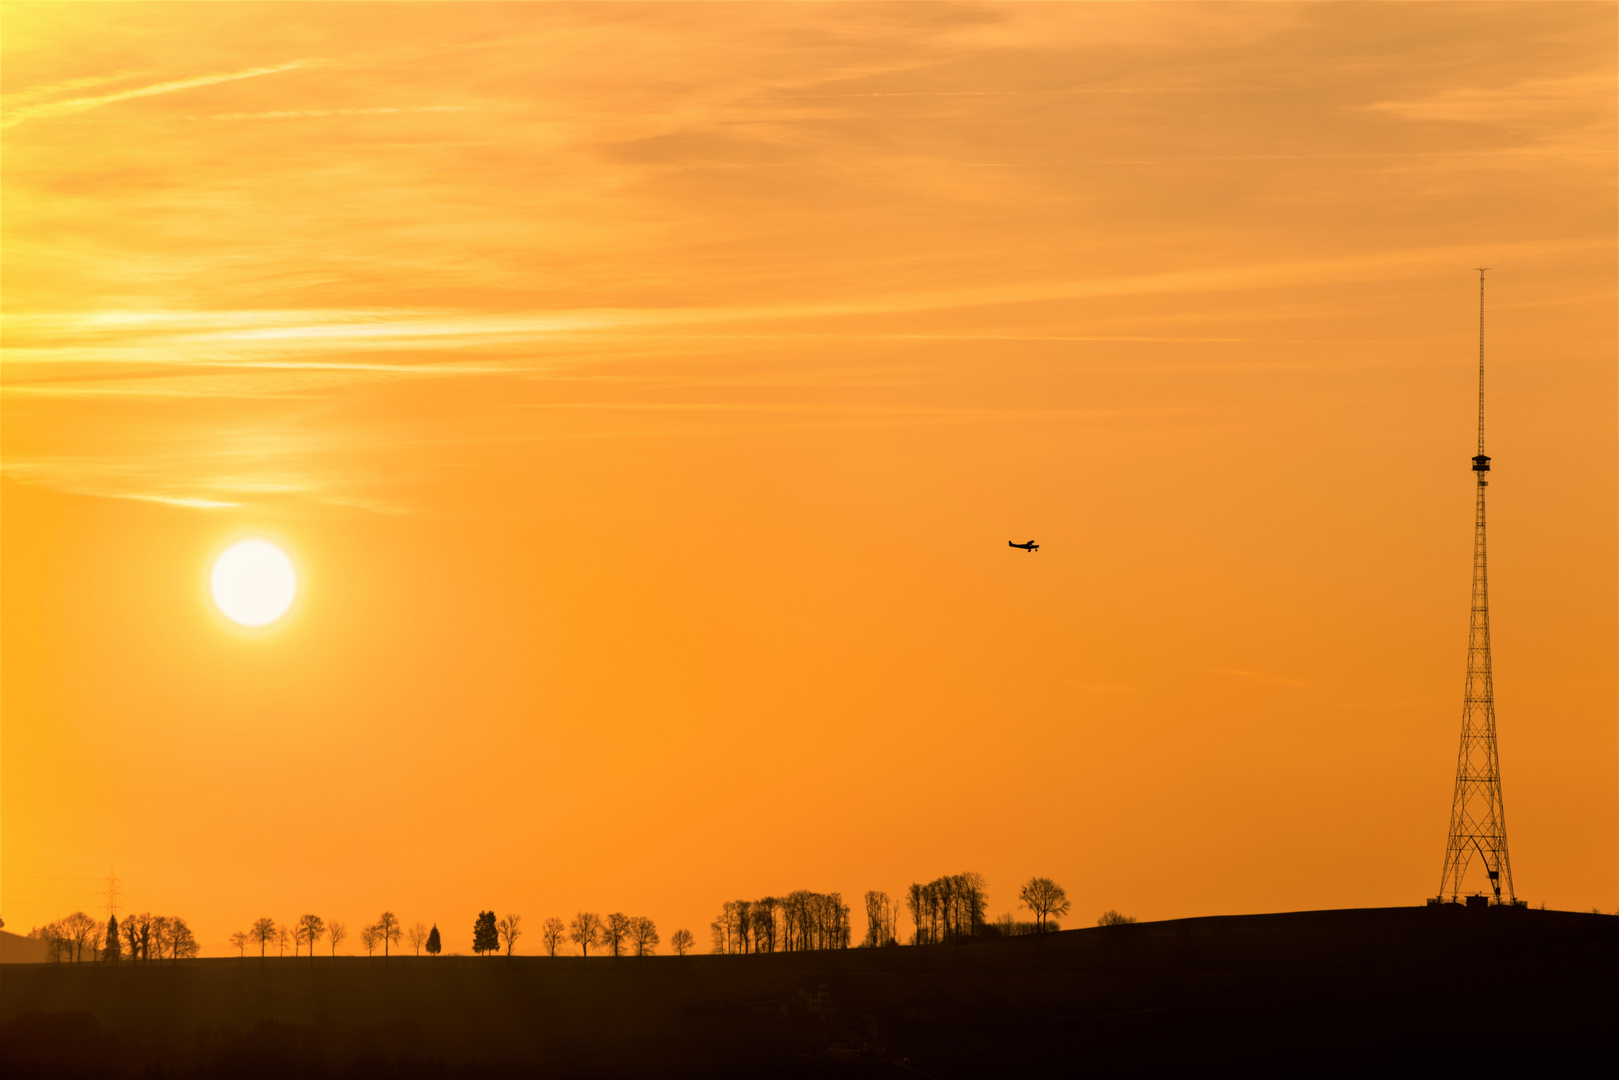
[[253, 582]]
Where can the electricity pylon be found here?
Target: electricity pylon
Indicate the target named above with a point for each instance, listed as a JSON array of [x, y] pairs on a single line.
[[1478, 818], [114, 895]]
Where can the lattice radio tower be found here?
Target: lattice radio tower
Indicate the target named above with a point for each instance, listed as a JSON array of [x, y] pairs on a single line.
[[1478, 818]]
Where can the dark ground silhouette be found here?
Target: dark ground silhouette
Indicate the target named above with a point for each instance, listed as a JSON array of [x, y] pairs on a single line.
[[1358, 992]]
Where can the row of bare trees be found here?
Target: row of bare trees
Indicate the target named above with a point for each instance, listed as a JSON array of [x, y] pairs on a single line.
[[798, 922], [950, 908], [140, 937], [617, 935], [306, 932], [881, 915]]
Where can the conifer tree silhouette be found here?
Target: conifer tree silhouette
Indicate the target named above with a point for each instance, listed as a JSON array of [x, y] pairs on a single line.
[[115, 948], [433, 943], [485, 934]]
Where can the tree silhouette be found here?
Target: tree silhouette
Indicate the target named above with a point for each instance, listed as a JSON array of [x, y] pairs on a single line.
[[1045, 898], [115, 948], [551, 935], [310, 928], [682, 941], [238, 941], [586, 930], [336, 931], [762, 924], [132, 934], [388, 930], [417, 935], [616, 929], [485, 934], [1113, 918], [78, 928], [263, 932], [368, 938], [1007, 926], [54, 943], [510, 929], [181, 942], [643, 935], [283, 938], [433, 943], [880, 918], [738, 916]]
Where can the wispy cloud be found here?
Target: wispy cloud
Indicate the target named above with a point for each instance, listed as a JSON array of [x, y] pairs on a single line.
[[203, 468], [1527, 99], [802, 217], [179, 500], [313, 340]]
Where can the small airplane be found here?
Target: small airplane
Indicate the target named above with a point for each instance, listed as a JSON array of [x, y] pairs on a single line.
[[1029, 546]]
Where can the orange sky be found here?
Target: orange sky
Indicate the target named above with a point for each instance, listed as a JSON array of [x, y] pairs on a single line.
[[647, 395]]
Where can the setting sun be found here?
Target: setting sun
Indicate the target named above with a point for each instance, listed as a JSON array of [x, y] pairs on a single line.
[[253, 583]]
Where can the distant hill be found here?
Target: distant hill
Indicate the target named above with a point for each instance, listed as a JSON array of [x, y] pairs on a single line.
[[1309, 993], [16, 949]]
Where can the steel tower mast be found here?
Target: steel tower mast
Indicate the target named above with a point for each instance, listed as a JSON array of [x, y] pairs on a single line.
[[1478, 818]]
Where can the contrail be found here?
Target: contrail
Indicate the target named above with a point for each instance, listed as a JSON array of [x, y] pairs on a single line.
[[57, 108]]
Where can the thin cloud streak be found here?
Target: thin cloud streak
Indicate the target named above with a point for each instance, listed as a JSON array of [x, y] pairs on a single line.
[[313, 114], [1257, 676], [175, 500], [256, 339]]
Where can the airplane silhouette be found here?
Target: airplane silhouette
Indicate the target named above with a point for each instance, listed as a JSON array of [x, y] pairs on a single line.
[[1030, 546]]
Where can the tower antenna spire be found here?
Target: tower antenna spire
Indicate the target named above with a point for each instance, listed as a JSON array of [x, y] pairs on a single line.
[[1478, 816], [1481, 271]]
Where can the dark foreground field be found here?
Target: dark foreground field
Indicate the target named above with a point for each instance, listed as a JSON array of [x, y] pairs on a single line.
[[1445, 990]]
